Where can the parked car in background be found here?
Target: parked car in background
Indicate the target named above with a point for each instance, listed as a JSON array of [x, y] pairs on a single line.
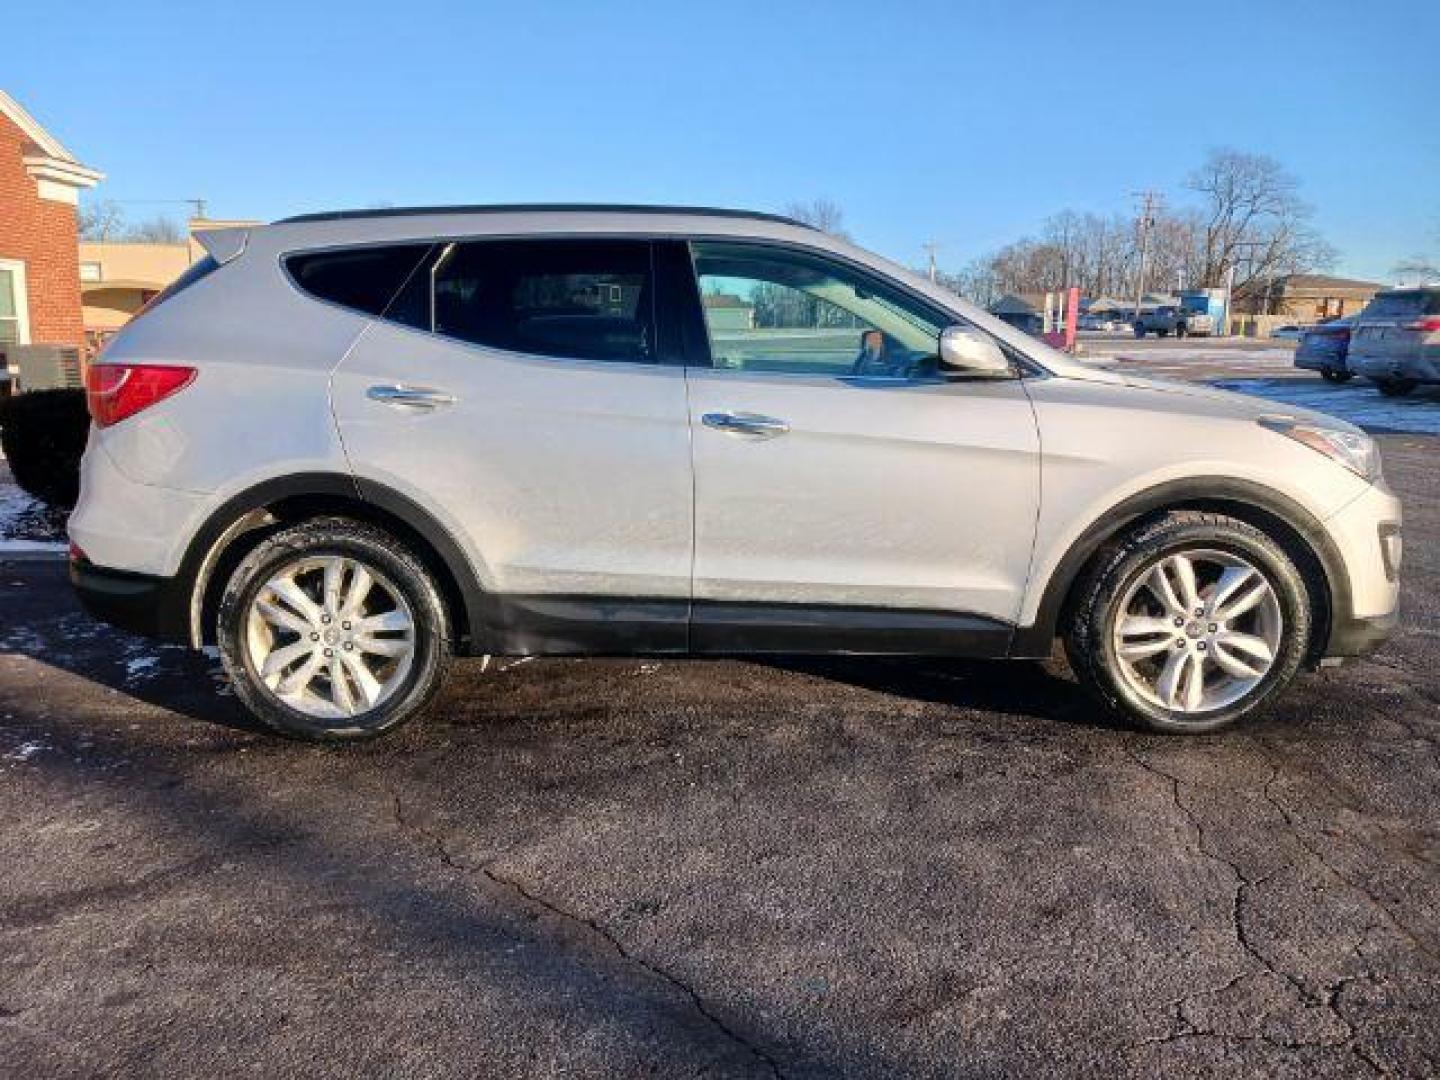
[[536, 431], [1106, 323], [1323, 348], [1396, 340], [1289, 332], [1166, 320]]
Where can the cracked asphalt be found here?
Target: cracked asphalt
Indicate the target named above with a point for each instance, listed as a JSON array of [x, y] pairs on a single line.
[[797, 869]]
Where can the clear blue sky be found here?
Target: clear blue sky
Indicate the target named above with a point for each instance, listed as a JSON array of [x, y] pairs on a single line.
[[963, 123]]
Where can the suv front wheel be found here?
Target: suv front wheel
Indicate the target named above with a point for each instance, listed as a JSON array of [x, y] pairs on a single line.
[[1189, 622], [331, 630]]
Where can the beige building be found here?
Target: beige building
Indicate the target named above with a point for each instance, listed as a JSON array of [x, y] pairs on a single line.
[[1305, 298], [118, 278]]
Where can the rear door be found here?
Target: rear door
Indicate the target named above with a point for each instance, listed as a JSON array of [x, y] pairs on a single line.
[[840, 483], [517, 390]]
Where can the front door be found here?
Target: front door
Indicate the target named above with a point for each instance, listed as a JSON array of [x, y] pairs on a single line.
[[515, 389], [841, 483]]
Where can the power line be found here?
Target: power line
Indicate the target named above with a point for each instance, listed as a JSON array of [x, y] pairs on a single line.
[[197, 204]]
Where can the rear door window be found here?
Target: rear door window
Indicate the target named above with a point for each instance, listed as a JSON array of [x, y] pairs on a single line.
[[566, 299], [364, 279]]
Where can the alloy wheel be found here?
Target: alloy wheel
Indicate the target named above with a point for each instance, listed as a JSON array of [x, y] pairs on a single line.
[[330, 637], [1197, 630]]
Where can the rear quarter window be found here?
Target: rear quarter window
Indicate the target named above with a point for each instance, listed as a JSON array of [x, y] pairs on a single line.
[[362, 279], [1410, 304]]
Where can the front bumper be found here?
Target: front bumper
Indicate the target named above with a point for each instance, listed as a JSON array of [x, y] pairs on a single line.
[[1366, 534], [145, 604]]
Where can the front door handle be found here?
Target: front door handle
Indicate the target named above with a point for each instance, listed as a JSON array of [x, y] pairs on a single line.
[[410, 397], [766, 427]]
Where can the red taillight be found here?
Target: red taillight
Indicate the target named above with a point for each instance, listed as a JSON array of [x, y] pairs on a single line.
[[115, 391], [1428, 325]]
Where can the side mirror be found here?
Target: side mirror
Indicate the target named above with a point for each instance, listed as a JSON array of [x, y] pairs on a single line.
[[968, 353]]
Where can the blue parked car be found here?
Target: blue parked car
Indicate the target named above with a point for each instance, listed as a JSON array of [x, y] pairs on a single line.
[[1325, 348]]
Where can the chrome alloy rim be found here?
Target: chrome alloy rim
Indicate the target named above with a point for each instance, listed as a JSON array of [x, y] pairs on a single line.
[[330, 637], [1197, 630]]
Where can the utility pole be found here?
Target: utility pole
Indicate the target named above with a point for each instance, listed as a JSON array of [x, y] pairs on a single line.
[[1147, 222], [930, 248]]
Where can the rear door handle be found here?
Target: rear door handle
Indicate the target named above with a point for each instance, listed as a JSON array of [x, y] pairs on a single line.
[[745, 424], [410, 397]]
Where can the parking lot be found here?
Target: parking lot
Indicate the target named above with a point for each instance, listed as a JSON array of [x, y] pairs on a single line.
[[793, 868]]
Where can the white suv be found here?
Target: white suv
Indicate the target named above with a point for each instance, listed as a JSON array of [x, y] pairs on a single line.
[[345, 447]]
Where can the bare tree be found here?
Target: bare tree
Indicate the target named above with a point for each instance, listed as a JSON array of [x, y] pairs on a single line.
[[1417, 270], [975, 281], [100, 220], [1249, 217], [822, 214], [1253, 220], [158, 230], [104, 220]]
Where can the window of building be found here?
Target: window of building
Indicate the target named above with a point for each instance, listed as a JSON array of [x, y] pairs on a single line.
[[14, 314], [568, 299], [91, 271]]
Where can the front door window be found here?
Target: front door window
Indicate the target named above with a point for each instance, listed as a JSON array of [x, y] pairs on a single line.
[[793, 312]]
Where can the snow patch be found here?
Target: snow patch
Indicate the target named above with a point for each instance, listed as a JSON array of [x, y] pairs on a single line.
[[1357, 402], [140, 667], [27, 526], [27, 750]]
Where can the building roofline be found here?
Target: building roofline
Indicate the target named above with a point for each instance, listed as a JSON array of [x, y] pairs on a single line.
[[47, 143], [539, 208]]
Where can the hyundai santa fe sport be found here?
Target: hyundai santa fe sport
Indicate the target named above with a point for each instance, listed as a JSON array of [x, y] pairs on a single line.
[[347, 447]]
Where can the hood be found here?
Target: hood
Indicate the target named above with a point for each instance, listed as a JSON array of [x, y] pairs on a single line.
[[1207, 399]]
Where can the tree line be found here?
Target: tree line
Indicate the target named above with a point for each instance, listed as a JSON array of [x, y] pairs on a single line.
[[1238, 211], [105, 221]]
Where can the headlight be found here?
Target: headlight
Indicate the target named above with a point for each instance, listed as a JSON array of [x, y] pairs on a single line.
[[1353, 449]]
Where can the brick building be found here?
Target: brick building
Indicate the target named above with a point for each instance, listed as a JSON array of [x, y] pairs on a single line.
[[1306, 298], [40, 182]]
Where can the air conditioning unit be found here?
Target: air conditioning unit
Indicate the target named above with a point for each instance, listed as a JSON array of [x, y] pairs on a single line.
[[46, 367]]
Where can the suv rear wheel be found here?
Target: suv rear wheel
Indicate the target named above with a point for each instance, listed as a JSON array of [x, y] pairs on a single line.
[[1191, 621], [331, 630]]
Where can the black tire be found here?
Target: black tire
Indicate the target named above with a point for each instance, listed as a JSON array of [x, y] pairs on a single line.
[[1395, 387], [1095, 603], [1182, 331], [377, 551], [1336, 375]]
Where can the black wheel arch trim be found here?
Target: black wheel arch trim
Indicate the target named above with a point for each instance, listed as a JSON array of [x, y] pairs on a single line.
[[229, 519], [1211, 492]]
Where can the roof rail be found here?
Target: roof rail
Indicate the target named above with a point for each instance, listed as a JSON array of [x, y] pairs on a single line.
[[524, 208]]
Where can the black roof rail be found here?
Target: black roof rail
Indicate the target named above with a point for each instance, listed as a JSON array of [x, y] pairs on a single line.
[[524, 208]]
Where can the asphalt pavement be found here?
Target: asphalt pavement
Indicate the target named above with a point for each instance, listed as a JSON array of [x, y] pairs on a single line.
[[794, 868]]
